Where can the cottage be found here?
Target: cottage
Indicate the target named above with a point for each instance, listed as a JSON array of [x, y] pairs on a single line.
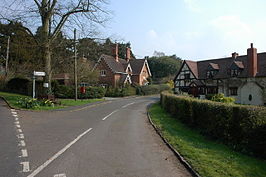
[[242, 77], [116, 72]]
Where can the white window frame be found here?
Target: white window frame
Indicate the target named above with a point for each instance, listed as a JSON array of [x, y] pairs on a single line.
[[103, 73]]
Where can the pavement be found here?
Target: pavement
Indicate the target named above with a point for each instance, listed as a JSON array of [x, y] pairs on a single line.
[[111, 138]]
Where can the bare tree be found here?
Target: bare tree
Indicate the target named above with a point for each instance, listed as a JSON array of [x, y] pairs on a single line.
[[51, 16]]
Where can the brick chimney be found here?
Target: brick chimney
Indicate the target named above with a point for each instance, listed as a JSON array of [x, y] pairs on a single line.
[[115, 52], [128, 57], [252, 61], [234, 55]]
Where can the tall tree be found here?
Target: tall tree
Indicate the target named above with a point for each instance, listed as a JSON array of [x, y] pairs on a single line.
[[52, 16]]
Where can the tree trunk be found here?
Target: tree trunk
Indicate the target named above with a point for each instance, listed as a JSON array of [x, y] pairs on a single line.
[[47, 68]]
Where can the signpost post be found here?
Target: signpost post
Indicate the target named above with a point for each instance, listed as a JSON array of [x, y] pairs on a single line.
[[36, 74]]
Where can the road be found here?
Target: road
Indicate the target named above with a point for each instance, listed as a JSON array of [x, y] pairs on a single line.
[[112, 138]]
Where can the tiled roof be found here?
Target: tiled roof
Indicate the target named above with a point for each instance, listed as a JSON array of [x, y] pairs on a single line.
[[193, 67], [136, 65], [200, 68], [113, 65], [214, 66]]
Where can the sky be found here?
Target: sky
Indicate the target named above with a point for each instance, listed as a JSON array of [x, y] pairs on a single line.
[[191, 29]]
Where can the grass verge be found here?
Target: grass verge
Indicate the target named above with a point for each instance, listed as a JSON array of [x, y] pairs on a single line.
[[207, 157], [13, 98]]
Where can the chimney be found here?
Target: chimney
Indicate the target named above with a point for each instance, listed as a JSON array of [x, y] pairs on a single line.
[[234, 55], [128, 54], [252, 61], [115, 52]]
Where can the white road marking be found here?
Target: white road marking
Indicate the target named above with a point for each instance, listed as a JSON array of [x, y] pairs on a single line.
[[127, 105], [16, 119], [40, 168], [20, 136], [22, 143], [26, 166], [17, 122], [24, 153], [18, 126], [14, 113], [19, 130], [13, 110], [109, 114], [60, 175]]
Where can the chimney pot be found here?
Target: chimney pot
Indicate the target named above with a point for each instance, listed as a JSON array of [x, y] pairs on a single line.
[[251, 45]]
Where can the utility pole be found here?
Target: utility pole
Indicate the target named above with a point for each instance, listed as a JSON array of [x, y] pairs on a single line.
[[75, 65], [7, 53]]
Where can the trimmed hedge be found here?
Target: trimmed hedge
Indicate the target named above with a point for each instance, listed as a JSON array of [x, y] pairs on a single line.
[[240, 126], [152, 89], [93, 92], [120, 92]]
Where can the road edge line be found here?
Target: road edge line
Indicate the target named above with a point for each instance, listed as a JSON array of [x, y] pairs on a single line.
[[177, 154]]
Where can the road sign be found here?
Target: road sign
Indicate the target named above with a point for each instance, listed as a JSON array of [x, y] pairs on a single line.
[[37, 73]]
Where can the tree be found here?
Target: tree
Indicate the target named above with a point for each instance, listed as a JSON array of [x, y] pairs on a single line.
[[164, 67], [52, 16]]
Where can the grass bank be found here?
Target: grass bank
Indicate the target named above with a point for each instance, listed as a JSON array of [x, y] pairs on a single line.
[[207, 157], [13, 99]]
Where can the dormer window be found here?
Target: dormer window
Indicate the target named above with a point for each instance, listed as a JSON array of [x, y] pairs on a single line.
[[212, 70], [236, 68]]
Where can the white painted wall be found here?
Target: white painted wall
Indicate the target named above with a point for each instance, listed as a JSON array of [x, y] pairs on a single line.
[[251, 88]]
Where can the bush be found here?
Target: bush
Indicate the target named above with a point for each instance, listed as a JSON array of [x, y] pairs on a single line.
[[120, 92], [241, 126], [221, 98], [92, 92], [18, 85], [32, 103], [62, 91], [152, 89]]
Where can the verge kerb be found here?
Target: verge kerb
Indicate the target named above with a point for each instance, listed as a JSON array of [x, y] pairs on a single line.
[[177, 154]]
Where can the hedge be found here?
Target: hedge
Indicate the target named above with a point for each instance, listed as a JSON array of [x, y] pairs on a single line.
[[240, 126], [120, 92], [92, 92], [152, 89]]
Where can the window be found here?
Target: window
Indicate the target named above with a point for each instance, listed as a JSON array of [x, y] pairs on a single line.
[[233, 91], [235, 72], [187, 76], [103, 73], [211, 73]]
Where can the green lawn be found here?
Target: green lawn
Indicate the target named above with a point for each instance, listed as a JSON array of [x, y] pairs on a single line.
[[207, 157], [12, 99]]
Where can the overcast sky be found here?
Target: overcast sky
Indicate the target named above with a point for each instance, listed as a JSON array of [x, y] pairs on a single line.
[[191, 29]]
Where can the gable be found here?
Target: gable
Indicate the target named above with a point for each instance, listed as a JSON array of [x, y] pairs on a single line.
[[185, 69]]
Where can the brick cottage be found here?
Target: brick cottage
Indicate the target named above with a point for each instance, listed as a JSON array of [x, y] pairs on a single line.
[[116, 72]]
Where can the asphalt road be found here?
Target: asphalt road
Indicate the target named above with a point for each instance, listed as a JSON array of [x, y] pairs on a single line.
[[113, 138], [9, 150]]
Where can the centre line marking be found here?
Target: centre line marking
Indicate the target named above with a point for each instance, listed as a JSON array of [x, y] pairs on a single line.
[[60, 175], [40, 168], [109, 114], [127, 105]]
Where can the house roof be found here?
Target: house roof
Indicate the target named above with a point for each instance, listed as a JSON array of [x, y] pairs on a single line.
[[200, 68], [116, 67], [137, 65]]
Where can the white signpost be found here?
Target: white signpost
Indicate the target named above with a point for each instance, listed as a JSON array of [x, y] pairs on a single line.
[[36, 74]]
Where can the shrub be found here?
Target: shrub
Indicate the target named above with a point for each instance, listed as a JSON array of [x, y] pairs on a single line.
[[18, 85], [221, 98], [152, 89], [62, 91], [241, 126], [33, 103], [120, 92], [92, 92]]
